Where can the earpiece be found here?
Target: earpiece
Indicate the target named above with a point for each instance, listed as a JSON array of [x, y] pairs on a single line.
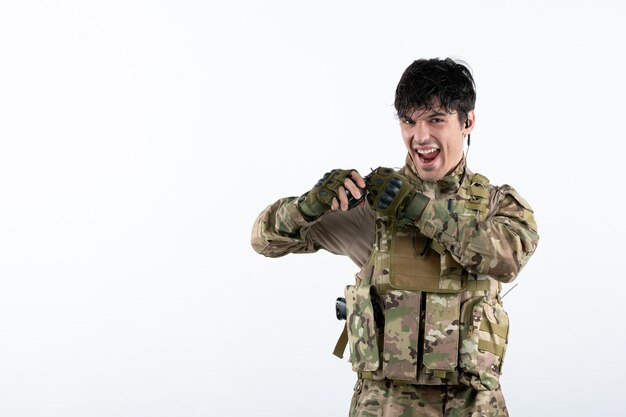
[[467, 123]]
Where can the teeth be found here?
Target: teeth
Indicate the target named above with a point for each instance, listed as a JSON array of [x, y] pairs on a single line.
[[426, 151]]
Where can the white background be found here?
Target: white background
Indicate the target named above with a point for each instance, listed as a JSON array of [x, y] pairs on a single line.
[[140, 139]]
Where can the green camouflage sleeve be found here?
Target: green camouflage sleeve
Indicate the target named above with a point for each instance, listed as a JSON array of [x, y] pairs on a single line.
[[498, 246], [281, 229]]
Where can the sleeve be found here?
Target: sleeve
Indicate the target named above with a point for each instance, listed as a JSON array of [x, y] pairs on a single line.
[[281, 229], [498, 245]]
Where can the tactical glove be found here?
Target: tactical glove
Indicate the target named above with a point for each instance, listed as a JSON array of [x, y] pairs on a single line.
[[391, 194], [318, 201]]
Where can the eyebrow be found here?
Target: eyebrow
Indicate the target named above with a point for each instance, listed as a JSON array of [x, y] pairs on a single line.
[[429, 115], [437, 114]]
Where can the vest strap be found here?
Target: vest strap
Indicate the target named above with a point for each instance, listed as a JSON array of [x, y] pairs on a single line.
[[478, 191], [437, 247], [476, 205], [481, 179], [494, 328], [342, 342], [491, 347], [478, 285], [439, 373], [366, 374]]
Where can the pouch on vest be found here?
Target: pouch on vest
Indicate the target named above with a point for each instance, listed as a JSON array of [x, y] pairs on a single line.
[[361, 326], [414, 266], [441, 334], [402, 314], [484, 335]]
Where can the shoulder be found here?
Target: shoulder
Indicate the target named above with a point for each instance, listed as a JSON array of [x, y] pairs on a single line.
[[507, 203], [495, 193], [501, 200], [505, 191]]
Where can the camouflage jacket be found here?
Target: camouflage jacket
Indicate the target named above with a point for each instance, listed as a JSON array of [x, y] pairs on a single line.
[[486, 232], [498, 245]]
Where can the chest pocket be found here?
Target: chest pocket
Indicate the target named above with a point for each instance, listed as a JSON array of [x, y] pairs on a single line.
[[416, 266]]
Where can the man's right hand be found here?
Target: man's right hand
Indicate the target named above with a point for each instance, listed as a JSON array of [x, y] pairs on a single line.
[[391, 194], [330, 193]]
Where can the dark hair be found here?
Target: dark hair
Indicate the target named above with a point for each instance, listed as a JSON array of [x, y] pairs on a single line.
[[443, 83]]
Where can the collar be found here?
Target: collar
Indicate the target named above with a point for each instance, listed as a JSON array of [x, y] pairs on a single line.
[[446, 187]]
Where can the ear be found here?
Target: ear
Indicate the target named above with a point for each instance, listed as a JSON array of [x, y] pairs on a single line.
[[469, 122]]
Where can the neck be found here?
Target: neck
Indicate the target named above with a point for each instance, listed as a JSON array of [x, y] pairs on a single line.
[[446, 186]]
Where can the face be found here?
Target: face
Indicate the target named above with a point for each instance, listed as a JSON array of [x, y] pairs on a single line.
[[434, 140]]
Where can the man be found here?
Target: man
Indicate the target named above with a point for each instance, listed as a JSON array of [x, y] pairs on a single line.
[[434, 241]]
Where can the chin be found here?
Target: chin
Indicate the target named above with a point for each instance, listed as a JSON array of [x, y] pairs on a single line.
[[431, 175]]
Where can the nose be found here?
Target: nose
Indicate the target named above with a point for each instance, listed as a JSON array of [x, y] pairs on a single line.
[[420, 132]]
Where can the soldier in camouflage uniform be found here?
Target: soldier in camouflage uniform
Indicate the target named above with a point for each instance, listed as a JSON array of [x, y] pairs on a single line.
[[434, 241]]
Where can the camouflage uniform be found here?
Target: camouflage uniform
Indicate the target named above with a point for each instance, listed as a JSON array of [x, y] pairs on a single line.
[[437, 282]]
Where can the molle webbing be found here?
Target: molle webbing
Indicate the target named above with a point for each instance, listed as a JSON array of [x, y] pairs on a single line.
[[478, 192], [421, 286]]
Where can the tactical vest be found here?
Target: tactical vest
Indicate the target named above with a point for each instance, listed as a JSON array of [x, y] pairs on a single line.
[[416, 316]]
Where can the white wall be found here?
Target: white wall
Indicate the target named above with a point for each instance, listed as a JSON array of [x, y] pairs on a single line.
[[140, 139]]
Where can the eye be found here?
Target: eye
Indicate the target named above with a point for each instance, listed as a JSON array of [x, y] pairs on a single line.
[[437, 120], [407, 121]]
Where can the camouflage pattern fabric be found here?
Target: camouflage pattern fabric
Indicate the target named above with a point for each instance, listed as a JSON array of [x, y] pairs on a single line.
[[384, 399], [280, 229], [361, 326], [402, 314], [497, 243], [483, 233], [441, 333], [485, 327]]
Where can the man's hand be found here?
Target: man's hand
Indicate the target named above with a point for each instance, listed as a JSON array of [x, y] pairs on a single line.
[[391, 194], [338, 189]]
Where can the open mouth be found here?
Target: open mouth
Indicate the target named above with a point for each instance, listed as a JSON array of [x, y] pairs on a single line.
[[427, 156]]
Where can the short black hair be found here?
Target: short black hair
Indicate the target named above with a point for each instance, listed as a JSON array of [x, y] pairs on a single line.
[[442, 83]]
